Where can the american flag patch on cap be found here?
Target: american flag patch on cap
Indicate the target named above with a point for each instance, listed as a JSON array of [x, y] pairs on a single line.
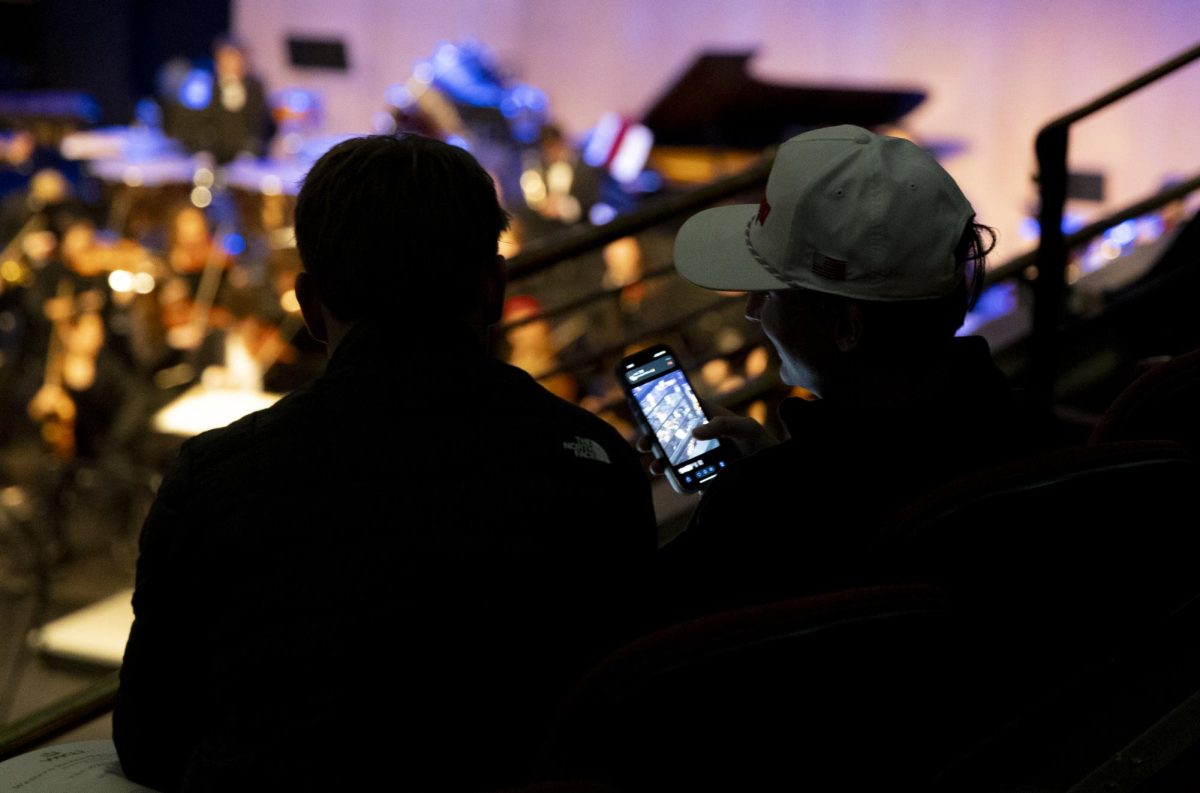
[[826, 267]]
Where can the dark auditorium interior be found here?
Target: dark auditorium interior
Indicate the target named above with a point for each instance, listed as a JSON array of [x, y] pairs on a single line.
[[1046, 633]]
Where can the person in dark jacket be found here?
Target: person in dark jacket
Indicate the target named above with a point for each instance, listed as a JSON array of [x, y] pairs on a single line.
[[860, 264], [386, 580]]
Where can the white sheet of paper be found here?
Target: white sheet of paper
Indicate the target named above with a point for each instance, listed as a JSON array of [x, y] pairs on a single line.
[[79, 767]]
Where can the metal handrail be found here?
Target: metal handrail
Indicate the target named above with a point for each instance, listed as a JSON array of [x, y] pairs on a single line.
[[1017, 264], [1051, 258], [58, 718]]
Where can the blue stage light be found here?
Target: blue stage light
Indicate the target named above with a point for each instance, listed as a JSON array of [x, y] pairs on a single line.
[[197, 89], [234, 244]]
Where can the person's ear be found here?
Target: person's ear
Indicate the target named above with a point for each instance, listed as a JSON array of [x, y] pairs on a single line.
[[849, 329], [310, 307], [495, 279]]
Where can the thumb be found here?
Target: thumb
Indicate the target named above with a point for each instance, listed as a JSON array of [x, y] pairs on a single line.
[[728, 427]]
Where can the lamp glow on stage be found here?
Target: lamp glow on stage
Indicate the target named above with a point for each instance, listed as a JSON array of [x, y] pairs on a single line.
[[201, 197], [120, 281], [399, 96], [289, 302], [197, 89], [298, 102], [383, 123], [234, 244], [601, 213]]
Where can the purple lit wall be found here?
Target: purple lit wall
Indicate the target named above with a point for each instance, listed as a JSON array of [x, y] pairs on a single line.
[[995, 71]]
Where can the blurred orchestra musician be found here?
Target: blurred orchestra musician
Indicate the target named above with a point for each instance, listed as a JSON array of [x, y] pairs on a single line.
[[531, 346], [25, 152], [84, 378], [47, 202], [16, 161], [623, 270], [557, 185], [195, 263]]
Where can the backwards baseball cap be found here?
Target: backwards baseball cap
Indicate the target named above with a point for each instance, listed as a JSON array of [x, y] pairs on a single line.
[[846, 212]]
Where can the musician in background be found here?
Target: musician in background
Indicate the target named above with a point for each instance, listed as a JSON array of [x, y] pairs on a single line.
[[557, 185], [225, 112], [16, 161], [84, 380], [531, 346], [239, 118], [48, 199]]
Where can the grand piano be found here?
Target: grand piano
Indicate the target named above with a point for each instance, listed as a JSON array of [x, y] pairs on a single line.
[[716, 117]]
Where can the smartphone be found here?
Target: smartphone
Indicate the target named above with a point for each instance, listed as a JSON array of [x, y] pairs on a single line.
[[666, 407]]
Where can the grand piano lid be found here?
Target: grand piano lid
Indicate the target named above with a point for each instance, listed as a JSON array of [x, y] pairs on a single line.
[[717, 103]]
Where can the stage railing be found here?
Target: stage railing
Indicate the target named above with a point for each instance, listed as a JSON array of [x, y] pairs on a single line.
[[1050, 287], [1027, 267]]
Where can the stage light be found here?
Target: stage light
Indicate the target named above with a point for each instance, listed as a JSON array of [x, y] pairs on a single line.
[[533, 187], [133, 176], [203, 177], [201, 197], [600, 214], [1029, 229], [298, 102], [234, 244], [197, 89], [289, 302], [271, 185], [1124, 233], [423, 72], [10, 271], [1150, 228], [143, 283], [383, 122], [399, 96], [120, 281]]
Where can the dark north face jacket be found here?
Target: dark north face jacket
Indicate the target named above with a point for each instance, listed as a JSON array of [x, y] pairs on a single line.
[[386, 579]]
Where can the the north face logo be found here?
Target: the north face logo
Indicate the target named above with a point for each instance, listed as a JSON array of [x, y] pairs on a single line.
[[588, 449]]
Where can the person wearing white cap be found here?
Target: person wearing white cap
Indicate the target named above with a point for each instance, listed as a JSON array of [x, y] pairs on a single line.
[[861, 262]]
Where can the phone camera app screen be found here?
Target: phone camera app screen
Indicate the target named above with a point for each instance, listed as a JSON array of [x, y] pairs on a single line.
[[673, 411]]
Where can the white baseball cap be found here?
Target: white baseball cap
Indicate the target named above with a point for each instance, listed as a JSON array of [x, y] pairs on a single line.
[[846, 212]]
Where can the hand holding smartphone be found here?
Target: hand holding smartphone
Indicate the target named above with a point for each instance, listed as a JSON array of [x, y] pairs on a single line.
[[665, 405]]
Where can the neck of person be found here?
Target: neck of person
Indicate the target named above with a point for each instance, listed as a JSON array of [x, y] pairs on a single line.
[[337, 330]]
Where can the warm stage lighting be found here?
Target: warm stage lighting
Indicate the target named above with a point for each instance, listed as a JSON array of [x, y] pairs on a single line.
[[289, 301], [201, 197], [121, 281]]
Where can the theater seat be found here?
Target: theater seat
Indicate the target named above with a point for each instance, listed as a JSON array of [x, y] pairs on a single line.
[[1070, 553], [1083, 563], [847, 691], [1163, 403]]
